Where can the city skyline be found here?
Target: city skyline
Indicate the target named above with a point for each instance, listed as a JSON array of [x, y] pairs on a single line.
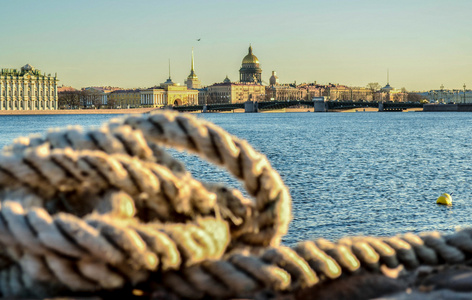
[[424, 44]]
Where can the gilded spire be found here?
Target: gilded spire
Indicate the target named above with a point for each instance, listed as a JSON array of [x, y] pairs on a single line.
[[192, 70], [192, 79]]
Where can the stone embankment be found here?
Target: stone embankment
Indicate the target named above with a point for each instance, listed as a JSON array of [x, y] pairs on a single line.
[[76, 111], [459, 107]]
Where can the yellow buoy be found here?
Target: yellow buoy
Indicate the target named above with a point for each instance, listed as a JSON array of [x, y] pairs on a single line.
[[444, 199]]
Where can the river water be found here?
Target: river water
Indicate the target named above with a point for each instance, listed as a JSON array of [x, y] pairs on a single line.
[[364, 173]]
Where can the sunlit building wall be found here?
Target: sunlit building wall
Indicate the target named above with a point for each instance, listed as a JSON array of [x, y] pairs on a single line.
[[168, 94], [27, 89], [124, 99]]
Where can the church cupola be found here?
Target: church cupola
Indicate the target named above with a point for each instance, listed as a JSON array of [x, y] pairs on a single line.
[[250, 70]]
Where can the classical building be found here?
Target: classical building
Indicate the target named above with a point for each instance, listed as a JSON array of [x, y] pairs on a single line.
[[27, 89], [339, 92], [192, 80], [448, 96], [284, 92], [124, 99], [233, 92], [168, 94], [250, 70], [314, 90]]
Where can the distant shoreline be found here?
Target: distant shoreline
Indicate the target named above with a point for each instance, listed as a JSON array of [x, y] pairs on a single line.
[[115, 111], [146, 110]]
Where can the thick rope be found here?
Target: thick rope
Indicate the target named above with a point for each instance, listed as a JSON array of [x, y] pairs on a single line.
[[105, 209]]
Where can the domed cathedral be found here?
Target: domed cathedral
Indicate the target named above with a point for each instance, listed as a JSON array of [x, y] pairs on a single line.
[[250, 70]]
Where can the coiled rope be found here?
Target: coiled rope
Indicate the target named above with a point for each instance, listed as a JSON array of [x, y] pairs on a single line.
[[109, 209]]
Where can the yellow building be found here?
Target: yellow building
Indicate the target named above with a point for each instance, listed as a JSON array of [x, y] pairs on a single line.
[[234, 92], [168, 94], [338, 92], [284, 92], [124, 99]]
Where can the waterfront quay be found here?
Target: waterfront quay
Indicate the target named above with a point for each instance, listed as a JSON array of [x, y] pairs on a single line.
[[458, 107]]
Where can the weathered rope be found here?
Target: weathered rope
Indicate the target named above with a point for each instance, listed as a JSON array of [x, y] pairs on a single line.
[[105, 209]]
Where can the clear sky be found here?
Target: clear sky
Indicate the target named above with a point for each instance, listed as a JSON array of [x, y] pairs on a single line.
[[424, 43]]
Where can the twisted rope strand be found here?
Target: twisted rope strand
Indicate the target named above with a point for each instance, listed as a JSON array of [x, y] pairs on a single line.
[[238, 157], [287, 270], [98, 242]]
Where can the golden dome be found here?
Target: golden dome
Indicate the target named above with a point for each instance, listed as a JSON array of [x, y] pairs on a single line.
[[250, 58]]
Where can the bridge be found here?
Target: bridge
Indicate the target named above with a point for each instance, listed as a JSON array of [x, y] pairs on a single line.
[[383, 106], [276, 105]]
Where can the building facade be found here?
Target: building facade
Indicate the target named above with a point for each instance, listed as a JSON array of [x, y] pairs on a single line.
[[27, 89], [233, 92], [284, 92], [448, 96], [124, 99], [168, 94]]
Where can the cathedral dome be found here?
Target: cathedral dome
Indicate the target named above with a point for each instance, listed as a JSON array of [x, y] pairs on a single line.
[[387, 88], [250, 58], [250, 70]]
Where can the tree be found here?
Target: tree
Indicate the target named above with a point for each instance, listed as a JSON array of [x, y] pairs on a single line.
[[373, 87], [113, 102], [96, 98], [69, 99], [91, 97], [415, 97], [83, 98]]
